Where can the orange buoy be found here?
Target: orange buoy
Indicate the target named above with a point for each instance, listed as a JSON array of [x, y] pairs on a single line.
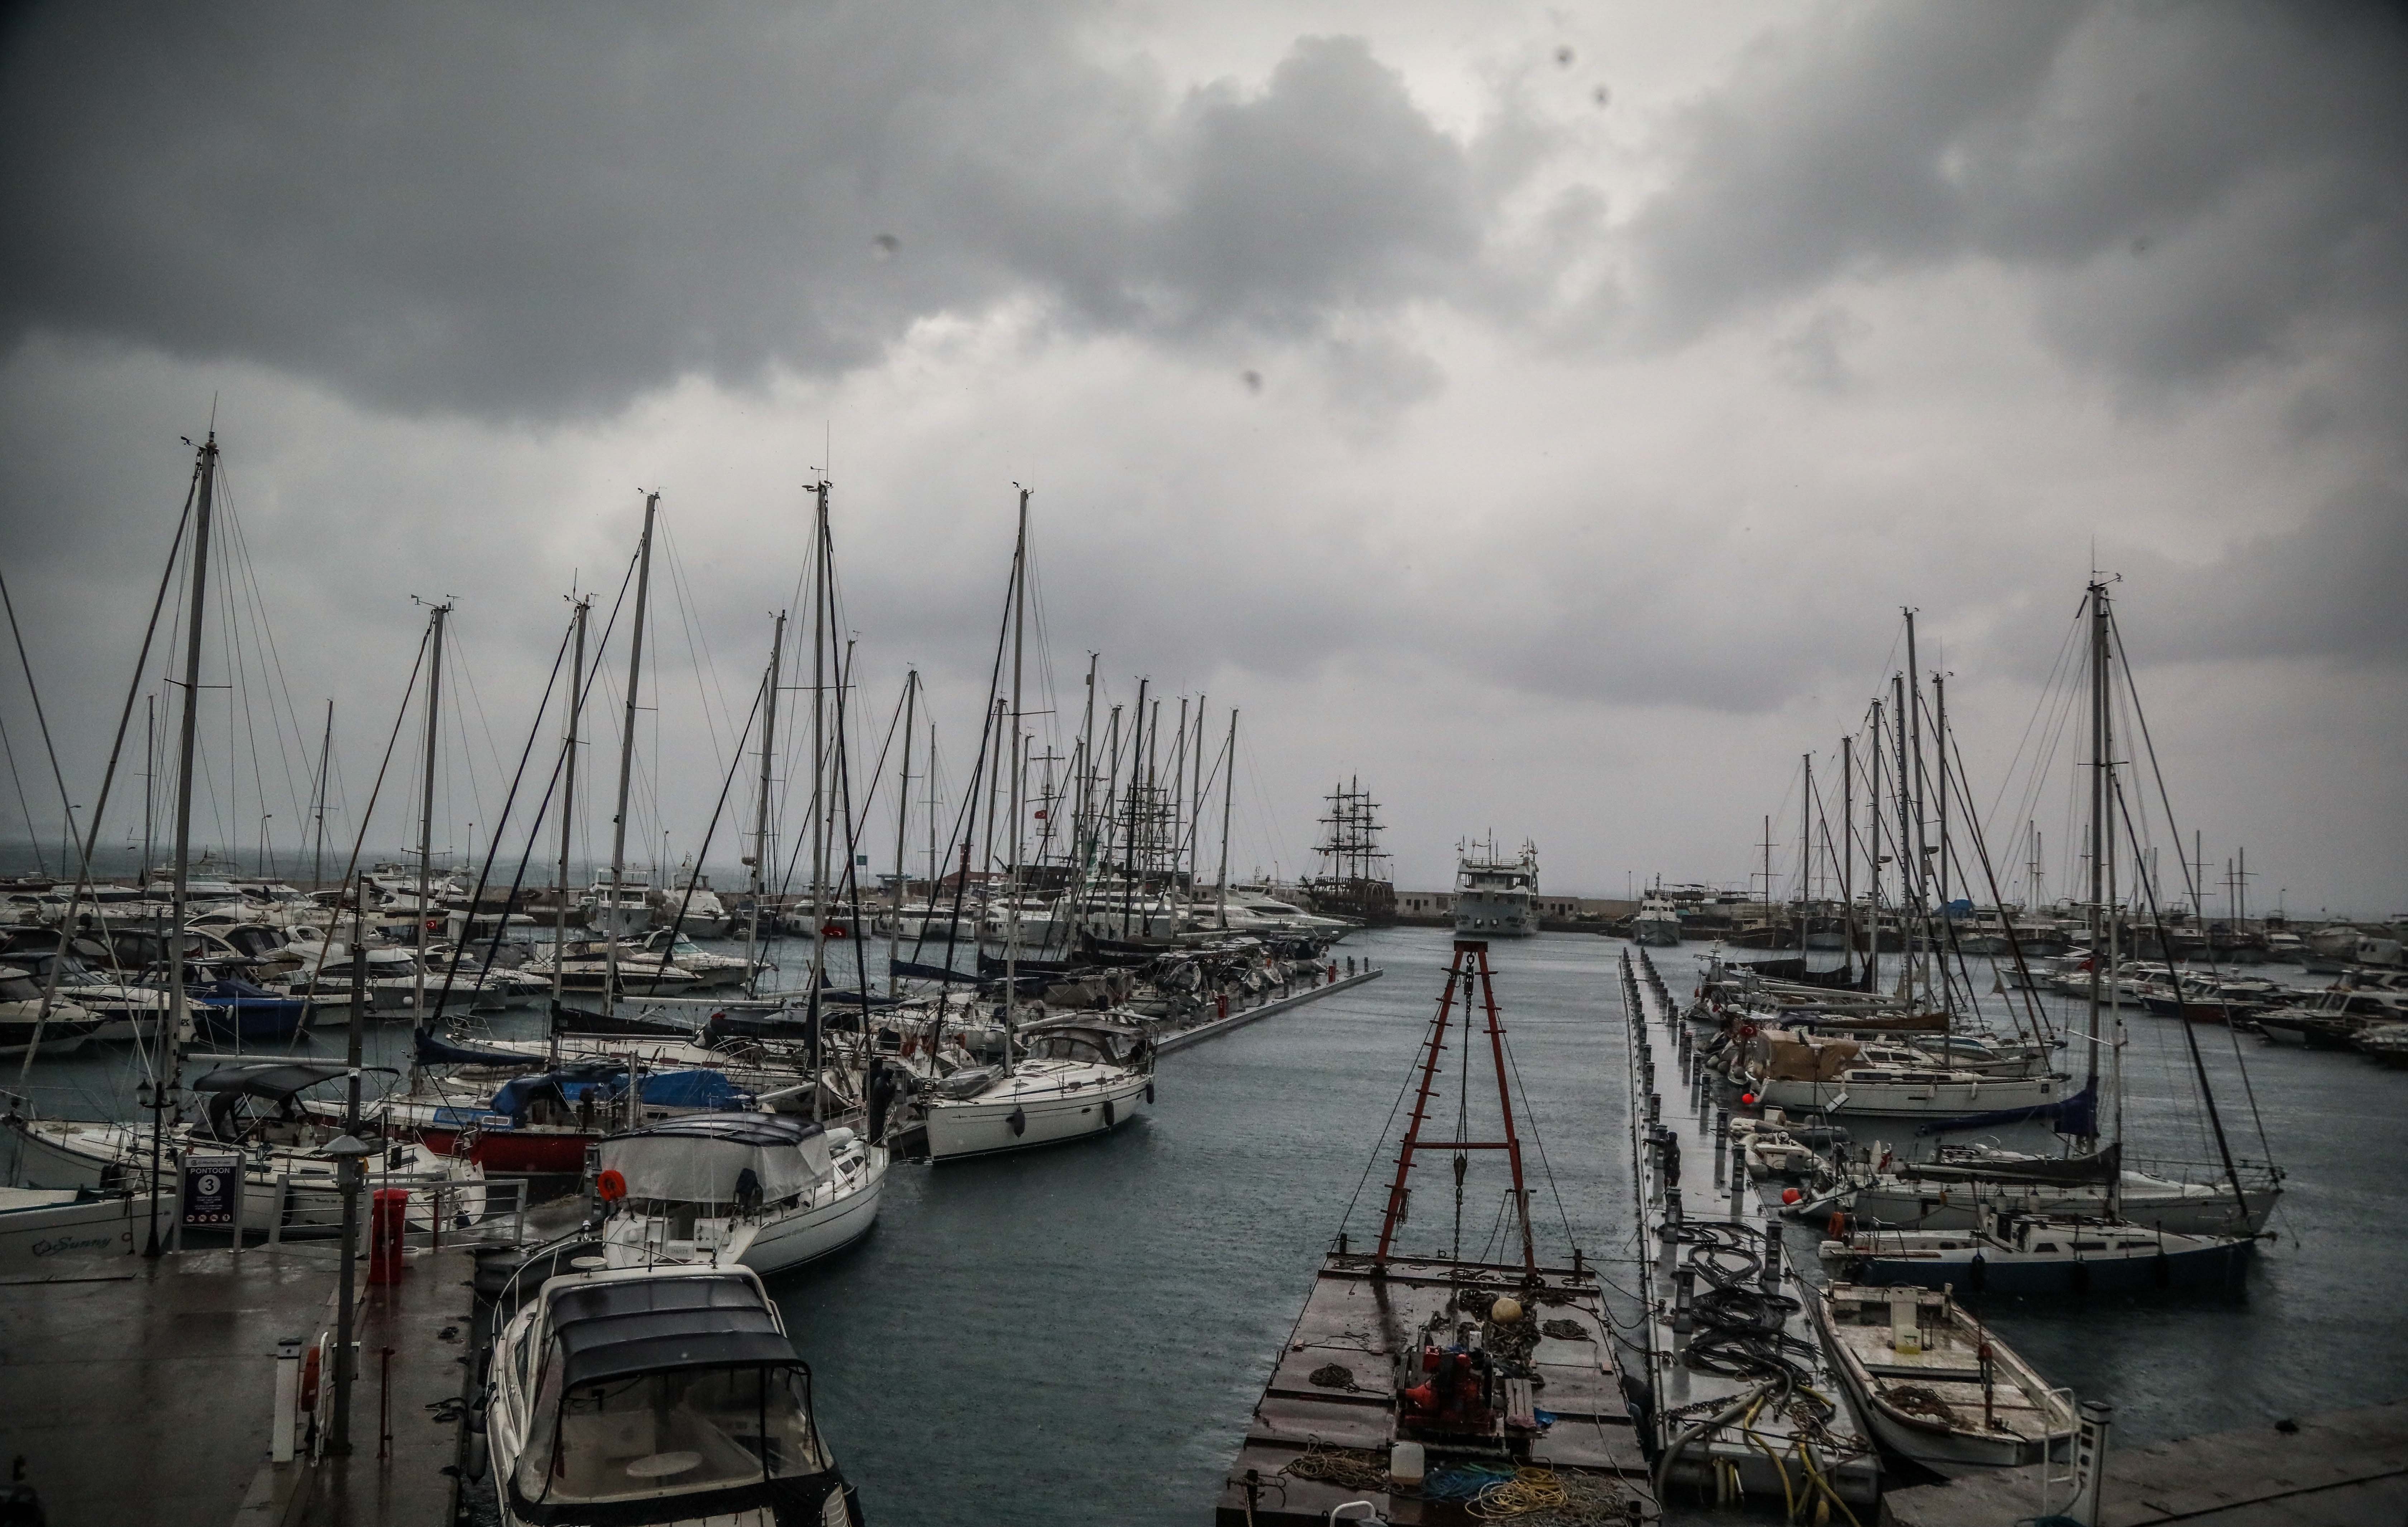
[[610, 1185]]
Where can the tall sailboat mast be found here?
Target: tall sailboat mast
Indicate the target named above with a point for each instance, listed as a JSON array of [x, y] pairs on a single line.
[[627, 765], [760, 887], [903, 825], [436, 617], [1873, 852], [1848, 853], [318, 854], [578, 609], [819, 792], [1011, 913], [1229, 800], [1948, 944], [170, 1075], [1908, 865], [2099, 749]]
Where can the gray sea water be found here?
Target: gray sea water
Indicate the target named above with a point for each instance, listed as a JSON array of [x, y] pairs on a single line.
[[1077, 1335]]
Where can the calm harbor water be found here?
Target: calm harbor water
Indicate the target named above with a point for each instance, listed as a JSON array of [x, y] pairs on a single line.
[[1076, 1336]]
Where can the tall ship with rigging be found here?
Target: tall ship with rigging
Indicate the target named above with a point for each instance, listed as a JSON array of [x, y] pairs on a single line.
[[1355, 881]]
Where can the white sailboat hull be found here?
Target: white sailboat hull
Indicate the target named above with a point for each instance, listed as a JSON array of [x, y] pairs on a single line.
[[40, 1232], [1912, 1100], [2182, 1208], [309, 1196], [776, 1246], [984, 1126]]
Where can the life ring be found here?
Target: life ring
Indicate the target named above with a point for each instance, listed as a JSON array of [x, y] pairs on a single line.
[[310, 1367], [610, 1185], [1837, 1228], [1747, 1031]]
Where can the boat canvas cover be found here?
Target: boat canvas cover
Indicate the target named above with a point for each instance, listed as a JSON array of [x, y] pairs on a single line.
[[1795, 969], [1802, 1058], [611, 1330], [277, 1080], [432, 1051], [701, 1158], [2104, 1166]]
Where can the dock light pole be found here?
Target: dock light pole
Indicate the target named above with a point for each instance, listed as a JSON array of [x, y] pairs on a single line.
[[350, 1154]]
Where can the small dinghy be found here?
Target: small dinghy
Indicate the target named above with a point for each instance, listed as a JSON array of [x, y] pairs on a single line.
[[1938, 1387]]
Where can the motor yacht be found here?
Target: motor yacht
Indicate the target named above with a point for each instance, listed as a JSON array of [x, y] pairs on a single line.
[[664, 1394]]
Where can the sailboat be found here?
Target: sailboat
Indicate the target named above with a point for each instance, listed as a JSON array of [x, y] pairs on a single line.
[[2028, 1231], [249, 1106], [1065, 1079], [760, 1190]]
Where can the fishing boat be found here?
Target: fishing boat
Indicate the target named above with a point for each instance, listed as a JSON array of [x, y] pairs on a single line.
[[665, 1394], [1496, 898], [1939, 1386], [758, 1190]]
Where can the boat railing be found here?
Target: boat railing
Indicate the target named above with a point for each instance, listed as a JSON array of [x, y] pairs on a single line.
[[2058, 1480]]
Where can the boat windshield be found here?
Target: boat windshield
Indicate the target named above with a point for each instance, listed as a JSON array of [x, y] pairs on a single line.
[[1067, 1047], [670, 1434]]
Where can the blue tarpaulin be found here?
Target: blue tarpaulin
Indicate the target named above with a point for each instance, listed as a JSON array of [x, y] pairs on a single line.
[[700, 1090]]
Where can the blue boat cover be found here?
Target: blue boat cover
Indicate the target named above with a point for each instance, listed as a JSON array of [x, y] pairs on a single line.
[[607, 1083]]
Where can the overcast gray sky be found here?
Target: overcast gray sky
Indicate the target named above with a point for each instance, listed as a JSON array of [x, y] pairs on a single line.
[[1541, 411]]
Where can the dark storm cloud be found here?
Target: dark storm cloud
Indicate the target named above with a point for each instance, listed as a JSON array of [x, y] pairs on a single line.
[[2193, 184], [537, 210]]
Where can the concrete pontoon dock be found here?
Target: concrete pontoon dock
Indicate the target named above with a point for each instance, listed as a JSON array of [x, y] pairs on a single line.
[[1238, 1018], [2343, 1468], [1706, 1227], [144, 1390]]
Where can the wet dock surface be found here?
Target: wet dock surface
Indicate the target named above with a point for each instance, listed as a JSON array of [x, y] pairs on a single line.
[[2344, 1468], [1707, 1231], [144, 1390]]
